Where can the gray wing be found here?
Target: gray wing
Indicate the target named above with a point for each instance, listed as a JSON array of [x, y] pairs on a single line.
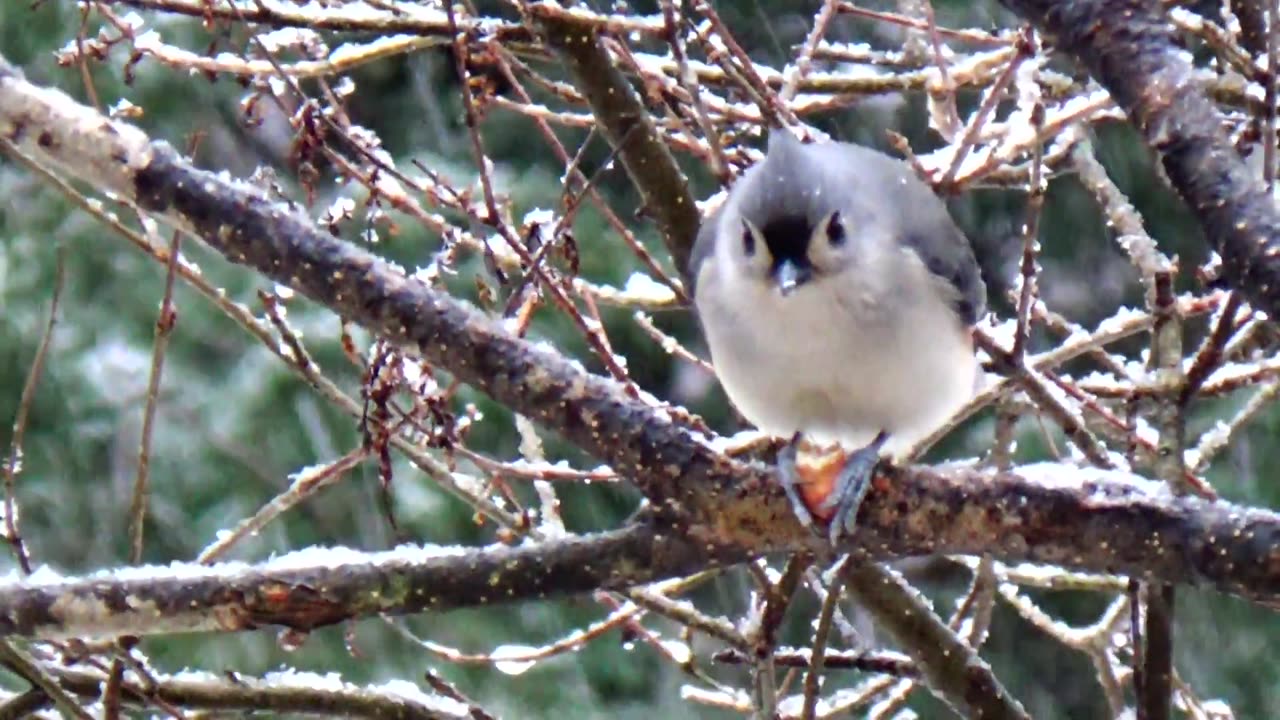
[[926, 226], [947, 254], [704, 246]]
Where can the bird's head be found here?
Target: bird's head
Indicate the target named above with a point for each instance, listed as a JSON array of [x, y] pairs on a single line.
[[791, 226]]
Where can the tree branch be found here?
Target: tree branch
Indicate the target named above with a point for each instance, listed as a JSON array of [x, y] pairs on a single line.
[[286, 692], [248, 228], [627, 124], [317, 587], [1085, 520], [1082, 519], [950, 667], [1130, 48]]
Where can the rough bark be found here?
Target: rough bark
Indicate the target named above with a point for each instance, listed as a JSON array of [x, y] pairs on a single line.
[[1130, 48]]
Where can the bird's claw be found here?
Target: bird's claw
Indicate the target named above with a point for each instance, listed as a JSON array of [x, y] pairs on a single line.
[[850, 488], [790, 477]]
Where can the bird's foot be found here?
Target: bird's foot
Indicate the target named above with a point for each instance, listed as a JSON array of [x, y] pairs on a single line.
[[827, 483], [789, 474], [851, 487]]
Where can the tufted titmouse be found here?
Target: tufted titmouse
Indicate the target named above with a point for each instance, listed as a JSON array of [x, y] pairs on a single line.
[[837, 297]]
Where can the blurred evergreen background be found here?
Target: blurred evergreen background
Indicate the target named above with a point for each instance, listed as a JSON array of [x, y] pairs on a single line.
[[234, 423]]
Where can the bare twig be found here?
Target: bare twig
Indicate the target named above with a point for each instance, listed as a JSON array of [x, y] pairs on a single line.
[[1154, 675], [821, 633], [701, 94], [1030, 269], [305, 484], [627, 125], [164, 328], [12, 532], [22, 664], [1153, 82], [804, 60], [288, 693], [632, 436], [1269, 128], [950, 668]]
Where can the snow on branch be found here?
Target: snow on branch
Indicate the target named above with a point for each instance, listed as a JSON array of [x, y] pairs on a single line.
[[316, 587], [1092, 520], [629, 127], [1130, 47], [286, 691], [729, 511]]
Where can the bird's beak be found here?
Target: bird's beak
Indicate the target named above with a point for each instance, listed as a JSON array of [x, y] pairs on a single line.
[[788, 276]]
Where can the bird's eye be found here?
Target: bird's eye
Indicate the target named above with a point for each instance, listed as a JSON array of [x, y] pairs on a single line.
[[835, 230], [748, 239]]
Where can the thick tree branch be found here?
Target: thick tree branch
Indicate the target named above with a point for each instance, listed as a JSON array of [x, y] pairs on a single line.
[[952, 668], [1051, 514], [1129, 47], [1080, 519], [675, 471], [627, 124], [320, 587]]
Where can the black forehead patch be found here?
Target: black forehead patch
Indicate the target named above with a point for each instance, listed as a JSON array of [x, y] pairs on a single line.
[[788, 237]]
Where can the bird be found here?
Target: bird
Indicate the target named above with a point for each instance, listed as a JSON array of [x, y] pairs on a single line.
[[837, 297]]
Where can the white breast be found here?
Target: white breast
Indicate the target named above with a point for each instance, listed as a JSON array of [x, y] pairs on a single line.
[[840, 360]]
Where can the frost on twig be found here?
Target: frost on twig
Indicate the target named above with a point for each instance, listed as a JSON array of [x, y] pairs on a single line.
[[669, 91]]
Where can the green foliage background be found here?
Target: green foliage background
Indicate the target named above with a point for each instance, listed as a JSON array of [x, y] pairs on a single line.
[[234, 423]]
